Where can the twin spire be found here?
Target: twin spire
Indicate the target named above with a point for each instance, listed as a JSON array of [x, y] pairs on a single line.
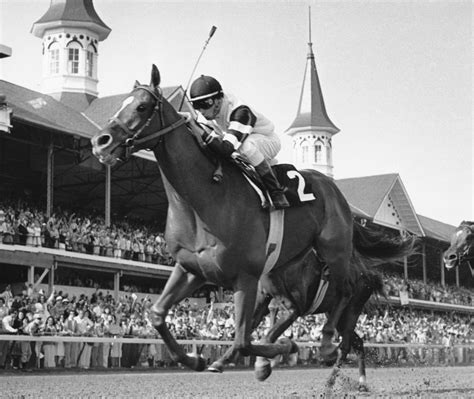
[[311, 108], [312, 130]]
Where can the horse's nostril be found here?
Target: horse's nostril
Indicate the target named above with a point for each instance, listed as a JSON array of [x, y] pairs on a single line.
[[104, 140]]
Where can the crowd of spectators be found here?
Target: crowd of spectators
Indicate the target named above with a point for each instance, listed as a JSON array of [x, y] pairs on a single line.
[[100, 315], [431, 291], [34, 312], [25, 224]]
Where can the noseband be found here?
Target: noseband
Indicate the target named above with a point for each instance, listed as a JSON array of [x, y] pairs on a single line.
[[134, 141]]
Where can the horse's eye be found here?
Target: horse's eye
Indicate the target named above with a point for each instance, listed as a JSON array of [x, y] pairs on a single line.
[[141, 108]]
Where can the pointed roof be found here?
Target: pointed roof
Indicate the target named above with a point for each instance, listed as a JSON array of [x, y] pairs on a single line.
[[73, 13], [311, 109], [367, 192], [371, 194]]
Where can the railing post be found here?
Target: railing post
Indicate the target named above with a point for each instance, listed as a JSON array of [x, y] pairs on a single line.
[[117, 284], [51, 277], [31, 275], [108, 182], [405, 267], [50, 179], [443, 283], [423, 261]]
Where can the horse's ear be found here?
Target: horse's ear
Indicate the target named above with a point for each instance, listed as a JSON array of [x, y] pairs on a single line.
[[155, 76], [136, 84]]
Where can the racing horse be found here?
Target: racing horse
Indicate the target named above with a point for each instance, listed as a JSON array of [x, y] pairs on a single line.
[[217, 232], [462, 246], [296, 288]]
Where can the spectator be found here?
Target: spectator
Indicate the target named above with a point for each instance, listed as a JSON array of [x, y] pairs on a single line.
[[49, 347]]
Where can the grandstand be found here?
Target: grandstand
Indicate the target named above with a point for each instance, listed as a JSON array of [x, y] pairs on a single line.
[[78, 237]]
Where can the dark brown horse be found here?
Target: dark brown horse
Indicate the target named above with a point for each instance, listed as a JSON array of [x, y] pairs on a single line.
[[462, 246], [217, 232]]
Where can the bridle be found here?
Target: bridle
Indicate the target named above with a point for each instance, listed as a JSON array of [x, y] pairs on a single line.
[[134, 141]]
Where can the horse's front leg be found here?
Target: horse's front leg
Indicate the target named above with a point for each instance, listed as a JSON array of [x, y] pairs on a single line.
[[180, 285], [261, 310]]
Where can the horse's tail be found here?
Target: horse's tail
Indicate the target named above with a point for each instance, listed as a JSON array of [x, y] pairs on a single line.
[[371, 276], [378, 247]]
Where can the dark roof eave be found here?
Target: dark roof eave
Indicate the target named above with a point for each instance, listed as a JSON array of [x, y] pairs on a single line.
[[306, 122], [55, 129], [38, 29]]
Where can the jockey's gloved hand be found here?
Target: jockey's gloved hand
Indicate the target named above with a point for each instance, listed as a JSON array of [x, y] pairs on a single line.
[[221, 147]]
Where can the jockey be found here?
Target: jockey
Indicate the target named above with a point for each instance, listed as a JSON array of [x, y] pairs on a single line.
[[237, 127]]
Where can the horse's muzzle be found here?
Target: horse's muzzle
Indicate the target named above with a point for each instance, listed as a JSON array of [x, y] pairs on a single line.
[[102, 141], [451, 260], [103, 148]]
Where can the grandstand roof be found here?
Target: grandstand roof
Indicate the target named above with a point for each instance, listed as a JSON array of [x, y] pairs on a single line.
[[437, 230], [40, 110], [384, 199], [354, 189]]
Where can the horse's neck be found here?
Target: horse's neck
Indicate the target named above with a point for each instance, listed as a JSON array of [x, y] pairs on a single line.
[[184, 165]]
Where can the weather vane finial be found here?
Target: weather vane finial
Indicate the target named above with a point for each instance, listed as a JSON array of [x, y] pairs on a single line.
[[309, 17]]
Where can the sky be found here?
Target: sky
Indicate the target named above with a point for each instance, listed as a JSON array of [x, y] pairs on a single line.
[[396, 76]]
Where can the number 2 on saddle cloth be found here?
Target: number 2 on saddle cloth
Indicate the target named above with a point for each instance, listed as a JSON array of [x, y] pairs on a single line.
[[297, 191]]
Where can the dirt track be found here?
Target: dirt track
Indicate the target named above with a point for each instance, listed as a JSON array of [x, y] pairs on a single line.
[[406, 382]]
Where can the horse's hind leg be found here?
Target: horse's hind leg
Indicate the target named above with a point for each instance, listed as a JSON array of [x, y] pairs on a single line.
[[358, 345], [261, 310], [345, 327], [263, 367], [180, 285], [336, 252]]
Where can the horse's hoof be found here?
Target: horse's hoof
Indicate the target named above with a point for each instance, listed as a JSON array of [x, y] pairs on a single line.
[[363, 388], [216, 368], [329, 354], [294, 348], [196, 363], [262, 372]]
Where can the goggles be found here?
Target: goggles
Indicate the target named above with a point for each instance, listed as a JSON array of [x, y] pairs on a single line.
[[203, 104]]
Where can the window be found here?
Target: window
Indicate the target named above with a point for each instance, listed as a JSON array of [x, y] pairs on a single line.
[[54, 59], [90, 62], [304, 152], [318, 153], [73, 58]]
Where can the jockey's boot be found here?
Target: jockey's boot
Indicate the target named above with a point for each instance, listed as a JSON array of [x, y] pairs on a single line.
[[277, 192]]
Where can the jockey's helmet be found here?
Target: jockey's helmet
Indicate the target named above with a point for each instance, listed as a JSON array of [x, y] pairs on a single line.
[[203, 90]]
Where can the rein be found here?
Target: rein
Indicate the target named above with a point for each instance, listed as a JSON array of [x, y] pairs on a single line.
[[134, 142]]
